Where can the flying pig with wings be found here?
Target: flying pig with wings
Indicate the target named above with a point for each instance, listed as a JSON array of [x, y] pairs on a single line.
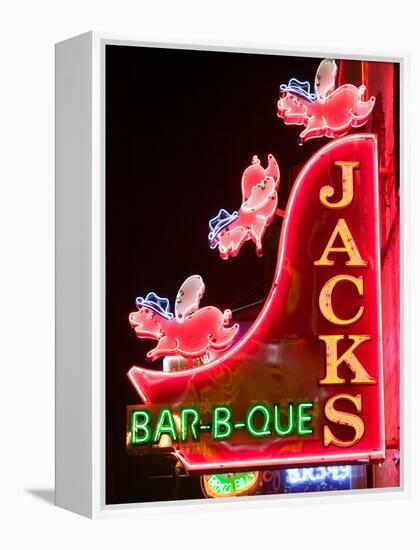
[[330, 111], [190, 332], [259, 185]]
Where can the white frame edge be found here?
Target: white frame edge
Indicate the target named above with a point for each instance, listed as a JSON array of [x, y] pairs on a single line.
[[87, 495], [73, 252]]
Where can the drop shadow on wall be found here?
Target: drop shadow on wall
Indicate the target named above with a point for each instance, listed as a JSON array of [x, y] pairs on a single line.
[[47, 495]]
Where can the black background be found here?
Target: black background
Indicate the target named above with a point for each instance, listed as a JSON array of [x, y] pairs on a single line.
[[181, 127]]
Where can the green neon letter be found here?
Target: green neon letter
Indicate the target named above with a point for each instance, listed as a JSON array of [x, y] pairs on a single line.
[[165, 425], [250, 426], [303, 418], [291, 424], [140, 428], [185, 412], [221, 425]]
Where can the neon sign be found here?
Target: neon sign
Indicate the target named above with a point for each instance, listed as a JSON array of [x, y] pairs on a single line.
[[192, 332], [228, 485], [323, 318], [261, 420], [297, 476], [332, 113], [259, 205]]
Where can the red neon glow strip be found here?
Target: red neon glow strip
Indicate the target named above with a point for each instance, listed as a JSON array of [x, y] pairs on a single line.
[[378, 301], [344, 457]]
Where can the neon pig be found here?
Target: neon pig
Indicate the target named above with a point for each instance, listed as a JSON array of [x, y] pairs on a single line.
[[192, 333], [330, 112], [229, 232]]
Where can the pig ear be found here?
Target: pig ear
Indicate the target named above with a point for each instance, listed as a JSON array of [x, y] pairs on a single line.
[[188, 297], [273, 170]]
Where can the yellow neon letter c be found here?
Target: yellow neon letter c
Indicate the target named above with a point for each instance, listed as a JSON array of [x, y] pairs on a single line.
[[325, 299]]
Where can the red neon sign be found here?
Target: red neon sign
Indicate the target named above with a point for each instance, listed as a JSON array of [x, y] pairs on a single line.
[[317, 338]]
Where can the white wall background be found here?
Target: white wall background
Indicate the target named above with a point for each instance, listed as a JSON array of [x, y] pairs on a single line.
[[29, 30]]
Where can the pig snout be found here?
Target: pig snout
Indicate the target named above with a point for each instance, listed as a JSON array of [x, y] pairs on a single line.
[[133, 319]]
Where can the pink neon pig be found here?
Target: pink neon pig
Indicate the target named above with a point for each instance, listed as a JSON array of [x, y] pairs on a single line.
[[333, 117], [191, 335], [259, 205]]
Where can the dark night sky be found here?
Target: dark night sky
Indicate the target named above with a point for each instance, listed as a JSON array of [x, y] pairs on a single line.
[[181, 127]]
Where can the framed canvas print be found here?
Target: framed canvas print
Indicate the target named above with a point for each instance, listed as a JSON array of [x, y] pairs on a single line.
[[228, 273]]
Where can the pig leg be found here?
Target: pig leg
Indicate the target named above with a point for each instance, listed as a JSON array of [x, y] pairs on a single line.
[[166, 346], [361, 112], [257, 232], [222, 336], [315, 128], [363, 108], [241, 237], [234, 240]]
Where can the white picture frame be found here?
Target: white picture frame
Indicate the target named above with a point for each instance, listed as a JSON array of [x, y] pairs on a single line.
[[80, 273]]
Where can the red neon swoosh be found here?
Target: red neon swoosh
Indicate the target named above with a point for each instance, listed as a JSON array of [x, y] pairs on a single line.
[[169, 387]]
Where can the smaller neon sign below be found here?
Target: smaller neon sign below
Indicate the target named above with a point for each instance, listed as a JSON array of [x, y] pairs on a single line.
[[318, 479], [228, 485]]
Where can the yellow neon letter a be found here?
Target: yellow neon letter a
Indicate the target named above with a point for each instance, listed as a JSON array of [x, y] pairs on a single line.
[[349, 247]]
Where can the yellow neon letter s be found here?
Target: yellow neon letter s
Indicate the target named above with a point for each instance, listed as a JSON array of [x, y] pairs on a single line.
[[345, 419]]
